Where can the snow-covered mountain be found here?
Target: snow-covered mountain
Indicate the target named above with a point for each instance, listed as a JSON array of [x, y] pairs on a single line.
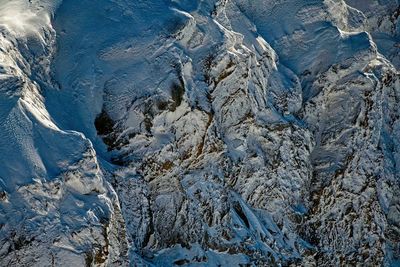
[[199, 133]]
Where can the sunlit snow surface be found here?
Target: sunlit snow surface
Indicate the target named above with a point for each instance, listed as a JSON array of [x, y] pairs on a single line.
[[199, 133]]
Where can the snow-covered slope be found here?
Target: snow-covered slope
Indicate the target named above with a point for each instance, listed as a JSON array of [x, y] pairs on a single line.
[[230, 133], [56, 207]]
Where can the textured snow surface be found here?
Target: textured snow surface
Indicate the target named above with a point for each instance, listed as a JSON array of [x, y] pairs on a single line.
[[199, 133]]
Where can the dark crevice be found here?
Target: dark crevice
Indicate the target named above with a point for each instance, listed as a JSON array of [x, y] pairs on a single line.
[[239, 211], [103, 123]]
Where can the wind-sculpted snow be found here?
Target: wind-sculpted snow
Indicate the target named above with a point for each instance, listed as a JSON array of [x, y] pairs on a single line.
[[210, 133]]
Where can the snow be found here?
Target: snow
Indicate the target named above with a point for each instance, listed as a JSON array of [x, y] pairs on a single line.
[[232, 132]]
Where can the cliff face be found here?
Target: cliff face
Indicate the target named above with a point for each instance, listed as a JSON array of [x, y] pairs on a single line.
[[206, 132]]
